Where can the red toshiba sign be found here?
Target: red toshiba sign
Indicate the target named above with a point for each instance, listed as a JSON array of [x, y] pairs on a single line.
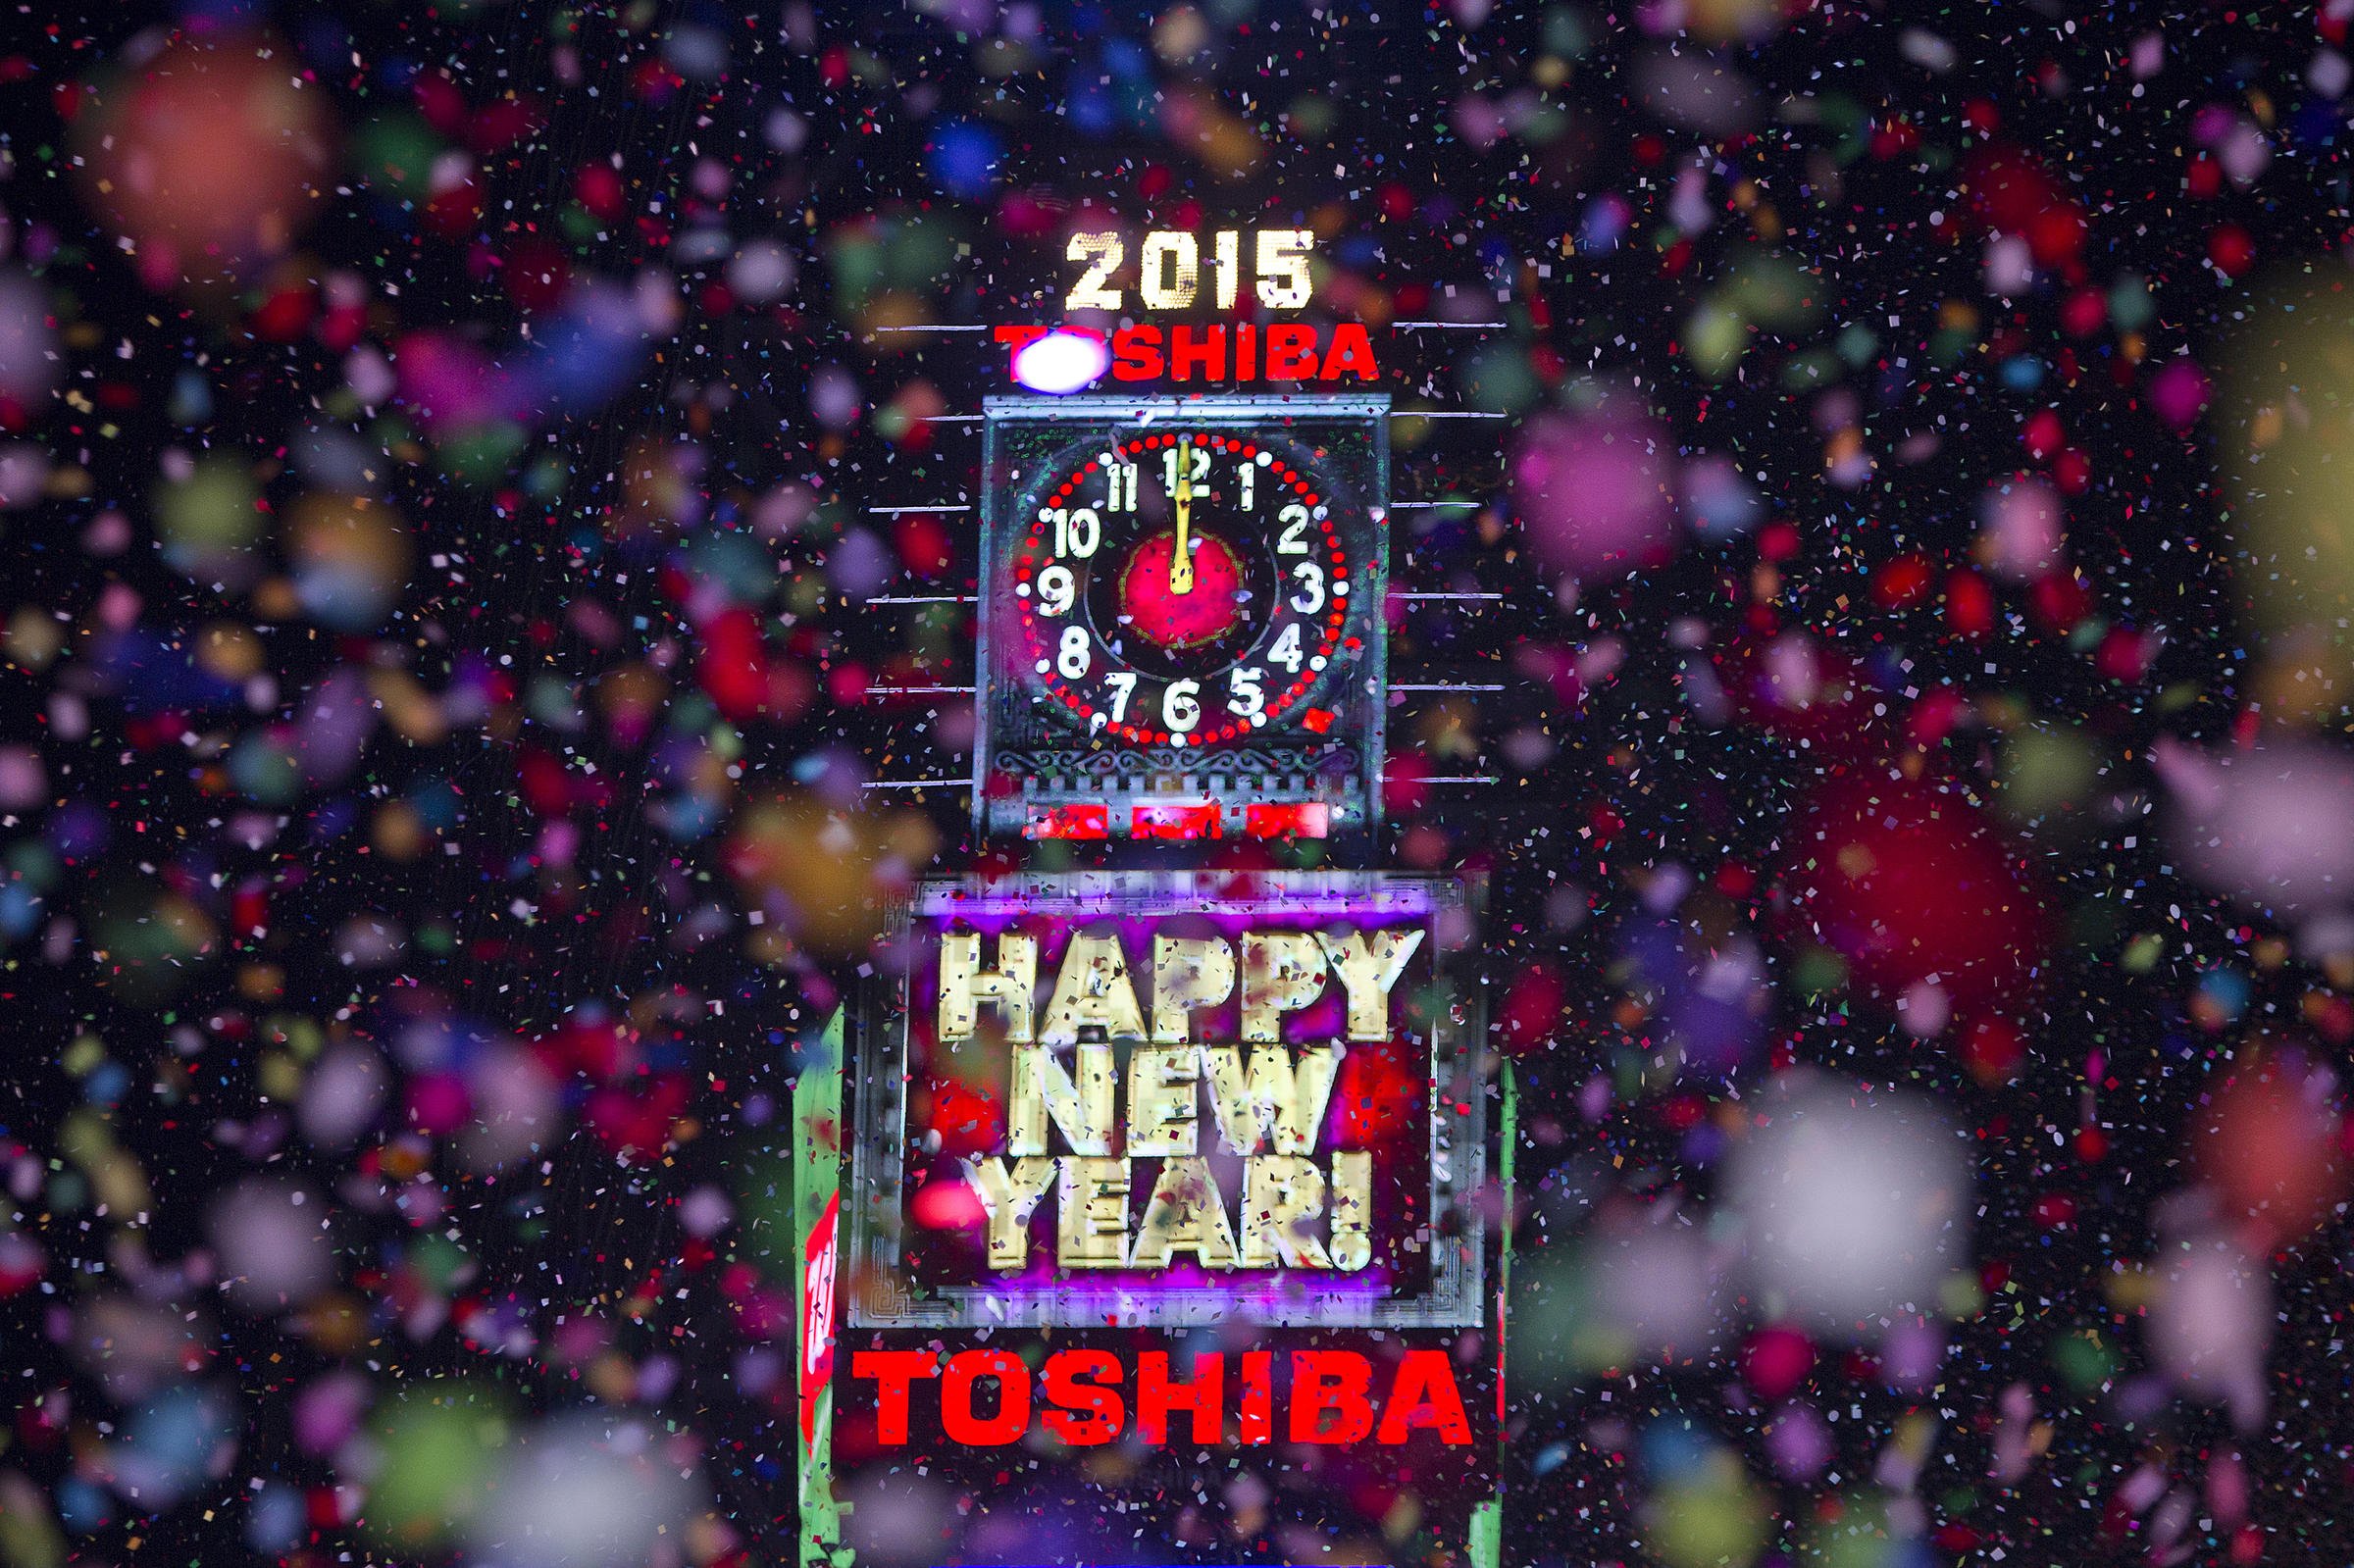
[[1221, 351], [1082, 1396]]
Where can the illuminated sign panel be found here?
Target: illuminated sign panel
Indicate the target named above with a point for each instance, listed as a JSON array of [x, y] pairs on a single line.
[[1173, 1098], [1140, 1159]]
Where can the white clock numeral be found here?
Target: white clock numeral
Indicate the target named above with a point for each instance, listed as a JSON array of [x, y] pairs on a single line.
[[1178, 708], [1310, 597], [1077, 530], [1293, 538], [1119, 487], [1286, 650], [1058, 589], [1123, 687], [1247, 475], [1168, 466], [1072, 658], [1243, 694]]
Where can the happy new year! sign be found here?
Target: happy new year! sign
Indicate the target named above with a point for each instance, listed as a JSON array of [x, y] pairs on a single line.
[[1164, 1098]]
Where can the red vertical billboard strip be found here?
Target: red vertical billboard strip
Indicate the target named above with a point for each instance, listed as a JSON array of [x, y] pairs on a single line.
[[818, 1257]]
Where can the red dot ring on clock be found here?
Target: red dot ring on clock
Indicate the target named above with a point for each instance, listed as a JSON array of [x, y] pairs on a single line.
[[1173, 625]]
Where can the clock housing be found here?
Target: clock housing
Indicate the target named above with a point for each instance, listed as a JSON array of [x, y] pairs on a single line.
[[1181, 616]]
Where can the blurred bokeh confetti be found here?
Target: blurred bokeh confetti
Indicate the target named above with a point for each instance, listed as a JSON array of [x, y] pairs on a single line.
[[439, 453]]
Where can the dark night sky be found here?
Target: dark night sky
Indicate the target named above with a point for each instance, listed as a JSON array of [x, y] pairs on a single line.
[[437, 447]]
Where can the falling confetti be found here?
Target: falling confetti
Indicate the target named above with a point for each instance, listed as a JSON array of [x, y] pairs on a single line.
[[487, 565]]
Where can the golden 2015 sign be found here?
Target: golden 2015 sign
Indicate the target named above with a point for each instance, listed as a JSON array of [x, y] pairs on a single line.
[[1167, 278], [1166, 1099]]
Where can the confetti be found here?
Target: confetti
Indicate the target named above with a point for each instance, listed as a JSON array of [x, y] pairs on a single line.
[[487, 646]]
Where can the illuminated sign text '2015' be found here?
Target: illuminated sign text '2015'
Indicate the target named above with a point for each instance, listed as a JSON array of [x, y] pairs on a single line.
[[1169, 278]]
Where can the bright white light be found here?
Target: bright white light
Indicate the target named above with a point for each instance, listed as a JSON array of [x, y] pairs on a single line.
[[1850, 1206], [1061, 362], [584, 1490]]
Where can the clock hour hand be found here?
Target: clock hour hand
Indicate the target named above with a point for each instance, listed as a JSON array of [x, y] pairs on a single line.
[[1181, 558]]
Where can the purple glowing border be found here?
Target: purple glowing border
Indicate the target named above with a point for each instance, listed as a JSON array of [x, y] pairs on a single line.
[[1454, 1299], [1357, 801]]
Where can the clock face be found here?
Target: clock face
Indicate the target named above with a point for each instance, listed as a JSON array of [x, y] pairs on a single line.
[[1190, 587], [1181, 616]]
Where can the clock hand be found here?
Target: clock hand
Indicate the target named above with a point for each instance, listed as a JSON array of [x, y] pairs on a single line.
[[1181, 560]]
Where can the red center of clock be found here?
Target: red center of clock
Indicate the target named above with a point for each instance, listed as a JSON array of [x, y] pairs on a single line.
[[1206, 611]]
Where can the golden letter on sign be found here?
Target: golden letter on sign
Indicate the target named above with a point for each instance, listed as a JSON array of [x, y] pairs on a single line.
[[1188, 972], [1352, 1209], [1009, 1198], [1283, 1196], [1092, 1215], [1185, 1214], [965, 983], [1092, 989], [1282, 971], [1276, 1092], [1367, 969], [1164, 1098], [1079, 1105]]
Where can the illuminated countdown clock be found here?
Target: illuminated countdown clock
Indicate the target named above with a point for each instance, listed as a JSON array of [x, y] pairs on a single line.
[[1181, 627]]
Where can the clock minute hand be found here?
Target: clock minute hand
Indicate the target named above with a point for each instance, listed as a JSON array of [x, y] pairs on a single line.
[[1181, 558]]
